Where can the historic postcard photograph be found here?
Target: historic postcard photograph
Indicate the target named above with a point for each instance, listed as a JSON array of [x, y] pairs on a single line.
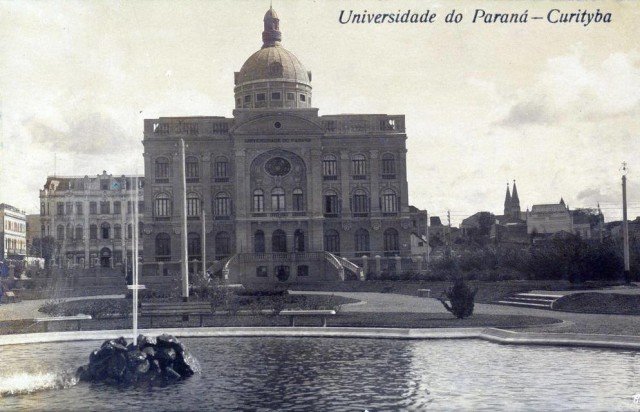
[[340, 205]]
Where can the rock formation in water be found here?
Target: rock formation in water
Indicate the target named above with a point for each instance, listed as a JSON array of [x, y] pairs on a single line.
[[161, 359]]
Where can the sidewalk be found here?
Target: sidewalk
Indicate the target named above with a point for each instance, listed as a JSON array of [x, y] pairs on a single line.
[[28, 309]]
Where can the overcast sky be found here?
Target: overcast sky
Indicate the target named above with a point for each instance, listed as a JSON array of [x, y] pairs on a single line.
[[555, 107]]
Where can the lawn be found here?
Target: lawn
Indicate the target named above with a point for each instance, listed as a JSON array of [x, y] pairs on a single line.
[[604, 303]]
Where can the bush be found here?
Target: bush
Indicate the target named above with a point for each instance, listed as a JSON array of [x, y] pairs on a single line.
[[461, 298]]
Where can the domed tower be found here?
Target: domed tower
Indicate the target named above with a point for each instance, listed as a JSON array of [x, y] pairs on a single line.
[[272, 77]]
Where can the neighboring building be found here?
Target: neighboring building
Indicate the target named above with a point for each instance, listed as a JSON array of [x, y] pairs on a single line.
[[477, 224], [13, 232], [90, 218], [280, 185], [549, 218], [33, 229], [634, 229]]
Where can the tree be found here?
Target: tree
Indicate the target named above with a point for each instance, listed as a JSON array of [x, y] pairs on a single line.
[[461, 297], [44, 247]]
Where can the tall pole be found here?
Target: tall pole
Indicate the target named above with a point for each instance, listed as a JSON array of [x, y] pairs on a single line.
[[134, 258], [625, 224], [184, 264], [428, 245], [204, 243]]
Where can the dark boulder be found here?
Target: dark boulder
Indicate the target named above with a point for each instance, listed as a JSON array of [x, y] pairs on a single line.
[[144, 341], [116, 366]]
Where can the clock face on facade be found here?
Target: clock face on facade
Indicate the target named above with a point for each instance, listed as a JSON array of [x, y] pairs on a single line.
[[277, 166]]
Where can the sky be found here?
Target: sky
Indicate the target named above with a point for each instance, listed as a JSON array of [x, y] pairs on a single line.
[[554, 106]]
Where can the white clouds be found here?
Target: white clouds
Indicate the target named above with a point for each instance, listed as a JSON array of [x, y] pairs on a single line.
[[569, 90]]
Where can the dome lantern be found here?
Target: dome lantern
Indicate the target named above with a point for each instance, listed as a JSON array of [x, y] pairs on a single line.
[[271, 36], [272, 77]]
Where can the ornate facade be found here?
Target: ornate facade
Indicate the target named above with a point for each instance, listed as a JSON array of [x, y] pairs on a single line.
[[90, 218], [280, 185]]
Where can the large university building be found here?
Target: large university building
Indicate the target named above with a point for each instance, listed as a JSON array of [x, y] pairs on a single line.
[[90, 219], [13, 232], [287, 195]]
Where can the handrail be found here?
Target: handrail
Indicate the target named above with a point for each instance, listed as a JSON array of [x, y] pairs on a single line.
[[225, 269], [352, 267], [333, 260]]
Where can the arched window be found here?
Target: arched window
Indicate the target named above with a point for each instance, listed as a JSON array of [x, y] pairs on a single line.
[[163, 246], [223, 244], [105, 228], [60, 232], [332, 241], [93, 232], [298, 241], [389, 201], [79, 232], [277, 199], [193, 204], [162, 205], [222, 205], [298, 200], [193, 245], [359, 166], [391, 244], [361, 239], [278, 241], [329, 167], [70, 232], [360, 202], [191, 168], [163, 169], [258, 242], [258, 200], [221, 169], [388, 166], [331, 203]]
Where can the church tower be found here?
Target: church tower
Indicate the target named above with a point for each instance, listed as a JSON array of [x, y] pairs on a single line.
[[507, 202], [515, 203]]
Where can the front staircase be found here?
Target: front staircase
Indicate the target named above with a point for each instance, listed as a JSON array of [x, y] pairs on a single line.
[[530, 300]]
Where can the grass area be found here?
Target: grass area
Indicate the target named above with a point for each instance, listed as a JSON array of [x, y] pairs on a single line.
[[372, 320], [105, 308], [488, 292], [604, 303]]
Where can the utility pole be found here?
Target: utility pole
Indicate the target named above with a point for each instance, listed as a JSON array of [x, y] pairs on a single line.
[[204, 242], [184, 252], [428, 245], [449, 232], [625, 224]]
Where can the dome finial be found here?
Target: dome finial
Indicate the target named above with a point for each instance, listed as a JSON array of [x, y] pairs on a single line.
[[271, 35]]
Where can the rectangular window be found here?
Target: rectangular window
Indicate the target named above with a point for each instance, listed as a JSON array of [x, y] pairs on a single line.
[[68, 208], [303, 98], [105, 208], [79, 209], [276, 96], [116, 207], [330, 167], [261, 97], [258, 202], [93, 232], [80, 185], [104, 184], [331, 205], [291, 96], [93, 208], [221, 169], [247, 98], [141, 206], [331, 126], [262, 272], [298, 201], [60, 208], [193, 206]]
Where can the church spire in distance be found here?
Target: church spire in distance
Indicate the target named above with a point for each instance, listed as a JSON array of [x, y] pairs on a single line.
[[515, 200], [271, 36], [507, 201]]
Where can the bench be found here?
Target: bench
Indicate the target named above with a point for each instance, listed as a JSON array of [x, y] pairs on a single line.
[[293, 313], [10, 296], [424, 293], [186, 309], [77, 318]]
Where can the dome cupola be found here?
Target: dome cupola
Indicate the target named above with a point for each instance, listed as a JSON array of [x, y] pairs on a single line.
[[272, 77]]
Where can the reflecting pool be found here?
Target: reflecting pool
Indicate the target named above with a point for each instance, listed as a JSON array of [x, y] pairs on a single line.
[[324, 374]]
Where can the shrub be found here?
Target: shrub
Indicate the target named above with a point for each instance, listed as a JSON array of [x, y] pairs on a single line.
[[461, 298]]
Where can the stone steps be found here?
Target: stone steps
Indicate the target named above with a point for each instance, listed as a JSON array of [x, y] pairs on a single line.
[[530, 300]]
